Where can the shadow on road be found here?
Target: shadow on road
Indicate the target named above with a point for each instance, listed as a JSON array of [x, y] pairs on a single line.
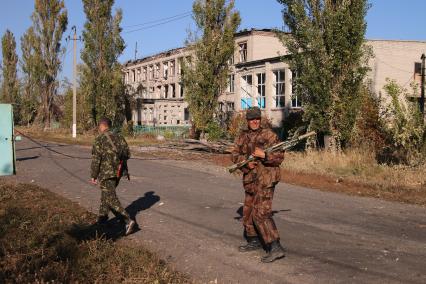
[[114, 229], [142, 203], [27, 158], [41, 147]]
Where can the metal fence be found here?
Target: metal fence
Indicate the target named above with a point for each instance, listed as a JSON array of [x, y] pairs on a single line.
[[166, 131]]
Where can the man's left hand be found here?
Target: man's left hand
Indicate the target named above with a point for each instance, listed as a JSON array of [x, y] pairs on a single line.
[[259, 153]]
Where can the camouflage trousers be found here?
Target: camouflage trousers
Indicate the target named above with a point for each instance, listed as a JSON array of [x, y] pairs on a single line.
[[109, 200], [257, 214]]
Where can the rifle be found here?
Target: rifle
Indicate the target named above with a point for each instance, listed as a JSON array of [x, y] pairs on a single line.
[[277, 147]]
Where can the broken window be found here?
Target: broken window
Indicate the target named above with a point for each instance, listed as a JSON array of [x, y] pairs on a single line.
[[173, 90], [144, 73], [242, 48], [180, 59], [279, 97], [166, 91], [157, 71], [159, 92], [172, 68], [165, 70], [231, 83], [261, 88], [181, 90], [151, 72], [231, 60], [230, 106], [186, 114], [246, 91]]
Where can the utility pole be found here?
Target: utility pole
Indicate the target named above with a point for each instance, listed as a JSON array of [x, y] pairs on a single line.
[[136, 51], [422, 88], [74, 83]]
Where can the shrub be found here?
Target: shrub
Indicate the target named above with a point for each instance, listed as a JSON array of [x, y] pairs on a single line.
[[404, 128], [215, 131]]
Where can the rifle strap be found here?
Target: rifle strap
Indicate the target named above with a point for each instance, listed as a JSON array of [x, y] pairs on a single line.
[[111, 142]]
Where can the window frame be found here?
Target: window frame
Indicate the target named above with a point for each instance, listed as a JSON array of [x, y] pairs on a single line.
[[279, 98]]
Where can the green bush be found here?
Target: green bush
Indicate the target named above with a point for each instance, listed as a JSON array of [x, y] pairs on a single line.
[[215, 131], [404, 127]]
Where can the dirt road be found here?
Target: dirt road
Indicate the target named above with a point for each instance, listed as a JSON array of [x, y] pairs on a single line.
[[190, 214]]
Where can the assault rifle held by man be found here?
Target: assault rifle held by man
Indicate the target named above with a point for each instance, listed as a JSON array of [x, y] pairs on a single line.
[[278, 147]]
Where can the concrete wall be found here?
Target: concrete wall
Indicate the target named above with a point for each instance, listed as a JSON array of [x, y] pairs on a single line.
[[395, 60]]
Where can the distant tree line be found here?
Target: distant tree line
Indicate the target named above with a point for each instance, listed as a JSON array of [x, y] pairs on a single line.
[[101, 91]]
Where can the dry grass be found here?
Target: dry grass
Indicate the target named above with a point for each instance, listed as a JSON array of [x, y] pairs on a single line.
[[64, 136], [38, 246], [360, 171]]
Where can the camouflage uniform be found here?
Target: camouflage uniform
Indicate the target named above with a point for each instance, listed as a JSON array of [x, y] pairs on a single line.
[[259, 183], [104, 168]]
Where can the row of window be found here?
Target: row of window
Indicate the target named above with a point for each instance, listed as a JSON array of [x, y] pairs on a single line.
[[168, 117], [249, 99], [163, 92], [153, 71]]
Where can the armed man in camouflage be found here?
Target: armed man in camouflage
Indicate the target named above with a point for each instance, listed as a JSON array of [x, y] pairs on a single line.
[[107, 151], [259, 180]]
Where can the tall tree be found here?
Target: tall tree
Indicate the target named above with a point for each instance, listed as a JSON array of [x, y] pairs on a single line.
[[206, 73], [50, 21], [10, 84], [31, 66], [326, 44], [103, 45]]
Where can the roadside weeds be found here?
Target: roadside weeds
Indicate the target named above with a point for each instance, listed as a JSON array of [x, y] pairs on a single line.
[[42, 241]]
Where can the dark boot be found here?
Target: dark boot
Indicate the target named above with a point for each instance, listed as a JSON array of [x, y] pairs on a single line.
[[102, 220], [276, 252], [253, 243]]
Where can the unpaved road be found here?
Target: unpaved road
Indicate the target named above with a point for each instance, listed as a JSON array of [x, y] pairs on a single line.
[[189, 214]]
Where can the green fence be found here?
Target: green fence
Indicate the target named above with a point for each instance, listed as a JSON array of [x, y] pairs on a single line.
[[166, 131]]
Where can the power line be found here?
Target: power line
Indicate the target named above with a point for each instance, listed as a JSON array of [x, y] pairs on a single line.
[[159, 20], [156, 25]]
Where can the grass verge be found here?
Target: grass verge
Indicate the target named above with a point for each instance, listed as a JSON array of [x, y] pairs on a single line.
[[64, 136], [39, 244], [356, 172]]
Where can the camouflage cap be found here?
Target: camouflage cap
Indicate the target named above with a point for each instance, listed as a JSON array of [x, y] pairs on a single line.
[[253, 113]]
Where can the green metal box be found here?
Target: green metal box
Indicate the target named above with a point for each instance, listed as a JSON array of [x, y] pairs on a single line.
[[7, 143]]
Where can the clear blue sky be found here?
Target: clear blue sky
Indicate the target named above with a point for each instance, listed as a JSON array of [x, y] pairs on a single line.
[[387, 19]]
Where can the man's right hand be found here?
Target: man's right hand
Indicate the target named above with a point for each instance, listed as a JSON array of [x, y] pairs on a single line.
[[252, 165], [94, 181]]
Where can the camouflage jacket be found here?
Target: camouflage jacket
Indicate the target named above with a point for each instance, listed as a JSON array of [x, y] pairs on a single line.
[[267, 171], [105, 160]]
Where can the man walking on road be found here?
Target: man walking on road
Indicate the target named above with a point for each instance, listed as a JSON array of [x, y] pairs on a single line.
[[259, 180], [108, 151]]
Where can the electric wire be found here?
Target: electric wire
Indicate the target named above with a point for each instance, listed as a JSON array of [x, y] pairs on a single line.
[[156, 25], [158, 20]]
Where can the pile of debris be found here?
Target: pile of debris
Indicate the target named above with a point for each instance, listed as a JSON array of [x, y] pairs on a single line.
[[219, 147]]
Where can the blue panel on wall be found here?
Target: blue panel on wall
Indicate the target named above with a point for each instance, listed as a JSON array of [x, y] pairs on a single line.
[[261, 102], [245, 103]]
